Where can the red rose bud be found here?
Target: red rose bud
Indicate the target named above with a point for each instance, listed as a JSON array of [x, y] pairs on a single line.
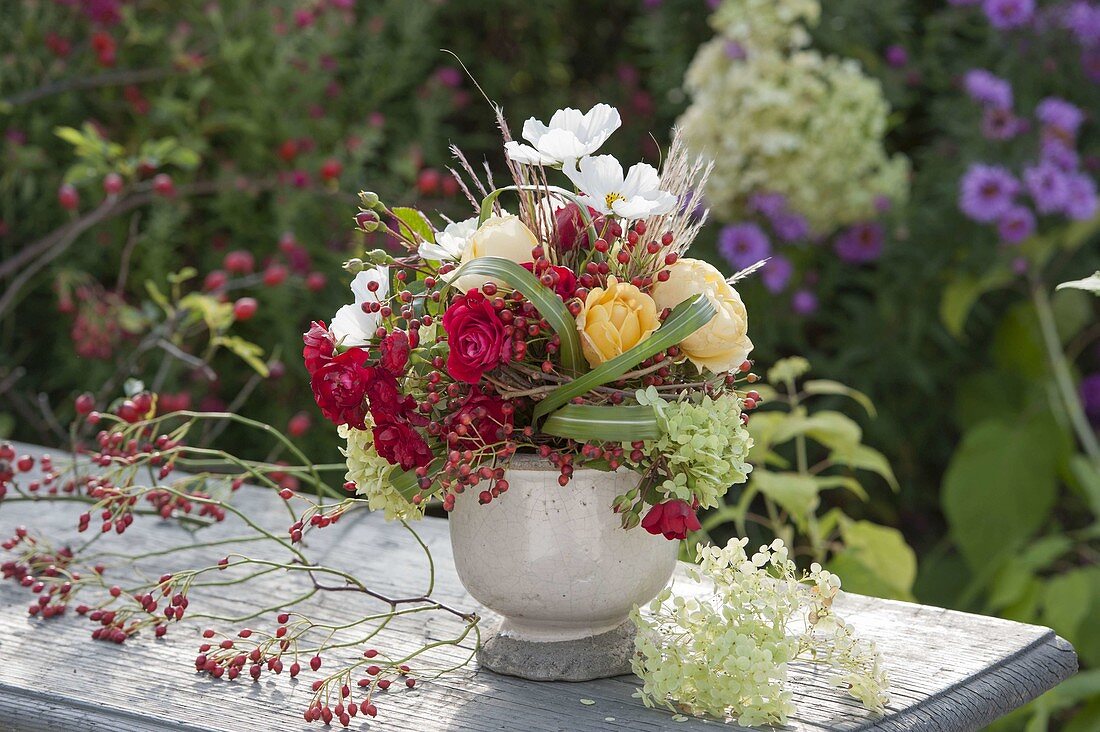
[[385, 399], [395, 352], [319, 346], [569, 227], [340, 386], [476, 337], [673, 518], [402, 445], [566, 282]]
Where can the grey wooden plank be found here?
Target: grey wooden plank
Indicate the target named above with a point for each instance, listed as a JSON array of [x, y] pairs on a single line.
[[949, 670]]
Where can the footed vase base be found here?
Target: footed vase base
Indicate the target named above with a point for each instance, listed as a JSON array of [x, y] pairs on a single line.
[[584, 659]]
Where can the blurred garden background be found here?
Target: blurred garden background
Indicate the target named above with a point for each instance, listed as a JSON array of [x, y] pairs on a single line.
[[178, 180]]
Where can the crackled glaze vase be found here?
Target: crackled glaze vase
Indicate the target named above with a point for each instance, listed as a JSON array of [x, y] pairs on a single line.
[[559, 569]]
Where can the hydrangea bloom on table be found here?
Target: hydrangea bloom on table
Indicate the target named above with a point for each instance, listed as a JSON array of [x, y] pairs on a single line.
[[573, 328]]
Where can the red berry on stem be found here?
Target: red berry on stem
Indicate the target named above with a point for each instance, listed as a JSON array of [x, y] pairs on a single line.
[[68, 197], [163, 185], [245, 308], [112, 184]]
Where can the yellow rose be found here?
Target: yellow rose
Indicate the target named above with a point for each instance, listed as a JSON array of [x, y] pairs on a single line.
[[722, 344], [615, 320], [500, 236]]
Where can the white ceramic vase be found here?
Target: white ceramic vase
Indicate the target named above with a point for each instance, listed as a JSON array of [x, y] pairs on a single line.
[[554, 561]]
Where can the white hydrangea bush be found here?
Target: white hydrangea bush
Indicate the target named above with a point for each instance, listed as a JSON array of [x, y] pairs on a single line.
[[727, 655], [779, 118]]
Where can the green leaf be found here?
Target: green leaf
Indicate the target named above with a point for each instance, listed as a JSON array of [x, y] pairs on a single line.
[[247, 351], [875, 561], [687, 317], [543, 298], [797, 494], [825, 482], [1067, 599], [415, 223], [1000, 486], [158, 296], [1088, 479], [960, 295], [70, 135], [217, 315], [1089, 284], [825, 386], [862, 457], [622, 423]]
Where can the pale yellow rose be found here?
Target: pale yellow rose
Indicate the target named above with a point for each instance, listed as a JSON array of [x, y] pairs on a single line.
[[614, 320], [501, 236], [722, 344]]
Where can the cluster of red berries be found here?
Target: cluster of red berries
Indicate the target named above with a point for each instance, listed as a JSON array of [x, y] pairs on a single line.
[[42, 571], [11, 464], [96, 331]]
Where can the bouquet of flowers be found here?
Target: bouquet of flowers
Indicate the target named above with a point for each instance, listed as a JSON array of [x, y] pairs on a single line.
[[573, 327]]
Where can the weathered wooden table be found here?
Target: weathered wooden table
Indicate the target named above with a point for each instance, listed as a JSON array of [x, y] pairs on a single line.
[[949, 670]]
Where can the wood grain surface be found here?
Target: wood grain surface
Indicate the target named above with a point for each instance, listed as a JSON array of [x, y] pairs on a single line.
[[950, 671]]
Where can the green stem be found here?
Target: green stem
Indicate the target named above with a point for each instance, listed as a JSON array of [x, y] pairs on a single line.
[[1063, 379]]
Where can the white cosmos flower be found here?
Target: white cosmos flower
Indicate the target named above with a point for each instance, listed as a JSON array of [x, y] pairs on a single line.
[[351, 325], [569, 136], [449, 243], [604, 188]]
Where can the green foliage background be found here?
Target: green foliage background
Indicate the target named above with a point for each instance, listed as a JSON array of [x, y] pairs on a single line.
[[941, 333]]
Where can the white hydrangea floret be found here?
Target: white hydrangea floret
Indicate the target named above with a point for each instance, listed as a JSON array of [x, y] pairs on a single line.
[[449, 243], [726, 654], [370, 472]]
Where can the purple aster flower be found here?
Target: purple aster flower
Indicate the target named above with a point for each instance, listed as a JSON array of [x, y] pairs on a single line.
[[861, 243], [1048, 186], [1001, 124], [1090, 397], [1009, 14], [988, 89], [897, 56], [986, 192], [777, 273], [1081, 201], [1056, 152], [744, 244], [791, 227], [1017, 224], [804, 302], [1083, 21], [769, 204], [1060, 115]]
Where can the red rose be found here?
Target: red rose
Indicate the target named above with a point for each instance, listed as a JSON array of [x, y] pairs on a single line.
[[565, 282], [340, 385], [401, 445], [673, 518], [569, 228], [319, 346], [385, 400], [483, 417], [395, 352], [475, 335]]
